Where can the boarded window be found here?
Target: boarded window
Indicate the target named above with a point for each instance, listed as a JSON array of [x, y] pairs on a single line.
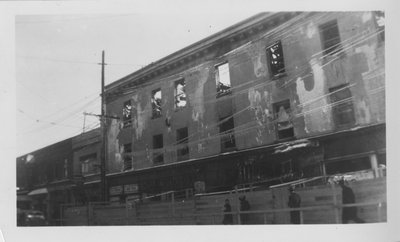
[[158, 153], [180, 94], [226, 130], [127, 157], [330, 37], [275, 59], [156, 103], [127, 114], [342, 105], [89, 164], [222, 79], [283, 118], [182, 143]]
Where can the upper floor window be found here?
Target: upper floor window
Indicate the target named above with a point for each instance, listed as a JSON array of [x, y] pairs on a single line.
[[156, 103], [182, 143], [89, 164], [226, 130], [180, 94], [223, 80], [275, 59], [127, 114], [330, 37], [380, 24], [342, 105], [127, 157], [158, 153], [283, 117]]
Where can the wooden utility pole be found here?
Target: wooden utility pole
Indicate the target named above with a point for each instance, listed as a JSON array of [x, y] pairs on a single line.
[[103, 182]]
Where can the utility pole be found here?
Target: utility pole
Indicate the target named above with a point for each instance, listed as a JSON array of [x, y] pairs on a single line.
[[103, 182]]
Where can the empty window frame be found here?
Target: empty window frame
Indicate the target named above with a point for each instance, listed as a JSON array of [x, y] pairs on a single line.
[[180, 94], [127, 157], [330, 37], [182, 143], [342, 105], [158, 152], [226, 131], [127, 114], [275, 59], [156, 103], [222, 79], [89, 164], [283, 118]]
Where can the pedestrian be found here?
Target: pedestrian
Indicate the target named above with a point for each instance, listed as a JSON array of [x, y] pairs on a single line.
[[244, 206], [294, 202], [228, 217], [349, 213]]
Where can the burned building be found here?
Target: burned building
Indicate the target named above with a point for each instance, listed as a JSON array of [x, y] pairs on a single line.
[[276, 97]]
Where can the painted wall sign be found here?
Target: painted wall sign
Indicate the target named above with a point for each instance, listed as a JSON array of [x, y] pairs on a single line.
[[116, 190], [131, 188]]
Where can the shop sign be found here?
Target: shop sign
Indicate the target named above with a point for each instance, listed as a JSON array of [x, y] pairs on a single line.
[[116, 190], [131, 188]]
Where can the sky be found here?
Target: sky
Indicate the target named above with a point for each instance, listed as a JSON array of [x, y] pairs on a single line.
[[58, 76]]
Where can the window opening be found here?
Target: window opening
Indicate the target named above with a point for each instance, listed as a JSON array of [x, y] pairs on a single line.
[[127, 157], [222, 79], [158, 153], [180, 94], [182, 141], [330, 37], [127, 114], [226, 130], [156, 103], [283, 117], [275, 59], [342, 105]]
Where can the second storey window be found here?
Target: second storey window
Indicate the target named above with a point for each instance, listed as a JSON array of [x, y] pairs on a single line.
[[226, 132], [180, 94], [182, 143], [330, 38], [127, 114], [283, 119], [128, 157], [156, 103], [222, 79], [342, 105], [275, 59], [158, 153], [89, 164]]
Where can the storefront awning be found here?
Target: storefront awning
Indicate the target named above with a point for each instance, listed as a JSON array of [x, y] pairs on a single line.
[[288, 146], [39, 191]]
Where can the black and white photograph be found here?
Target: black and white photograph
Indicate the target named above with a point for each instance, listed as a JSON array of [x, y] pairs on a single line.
[[261, 119]]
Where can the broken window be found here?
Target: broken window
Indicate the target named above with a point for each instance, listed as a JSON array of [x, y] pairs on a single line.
[[342, 105], [380, 24], [330, 37], [226, 132], [275, 59], [89, 164], [158, 153], [283, 118], [182, 143], [222, 79], [127, 157], [127, 114], [156, 103], [180, 94]]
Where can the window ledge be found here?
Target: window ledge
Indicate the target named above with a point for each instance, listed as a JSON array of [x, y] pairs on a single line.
[[278, 76]]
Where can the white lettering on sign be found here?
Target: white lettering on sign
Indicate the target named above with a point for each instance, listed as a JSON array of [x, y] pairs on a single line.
[[116, 190], [131, 188]]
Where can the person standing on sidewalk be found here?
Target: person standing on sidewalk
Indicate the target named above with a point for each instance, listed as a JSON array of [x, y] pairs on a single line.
[[228, 217], [348, 213], [244, 206], [294, 202]]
